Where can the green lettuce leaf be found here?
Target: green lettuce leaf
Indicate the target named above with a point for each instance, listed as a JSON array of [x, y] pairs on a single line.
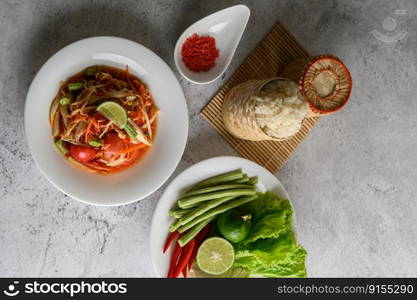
[[271, 217], [271, 249]]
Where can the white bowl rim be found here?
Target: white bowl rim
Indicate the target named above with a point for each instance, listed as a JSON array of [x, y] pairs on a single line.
[[49, 177]]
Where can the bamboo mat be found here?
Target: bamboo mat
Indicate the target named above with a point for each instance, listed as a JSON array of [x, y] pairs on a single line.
[[272, 54]]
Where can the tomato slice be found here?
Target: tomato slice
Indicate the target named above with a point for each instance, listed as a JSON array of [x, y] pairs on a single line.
[[112, 145], [82, 153]]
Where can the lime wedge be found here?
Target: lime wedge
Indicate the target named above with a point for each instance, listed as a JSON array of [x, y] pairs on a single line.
[[114, 112], [215, 256]]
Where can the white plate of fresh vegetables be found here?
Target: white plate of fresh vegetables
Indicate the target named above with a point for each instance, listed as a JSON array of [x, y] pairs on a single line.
[[225, 217]]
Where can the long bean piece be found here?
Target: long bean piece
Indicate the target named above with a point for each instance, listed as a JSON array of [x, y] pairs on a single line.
[[216, 211], [244, 179], [195, 200], [216, 188], [178, 213], [219, 179], [174, 226], [75, 86], [253, 180], [193, 232], [203, 208]]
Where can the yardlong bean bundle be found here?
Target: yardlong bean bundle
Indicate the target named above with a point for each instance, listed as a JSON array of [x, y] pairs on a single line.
[[216, 211], [207, 199], [203, 208], [216, 188], [219, 179], [192, 201]]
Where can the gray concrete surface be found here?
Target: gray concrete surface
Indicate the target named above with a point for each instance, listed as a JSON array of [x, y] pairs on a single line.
[[353, 181]]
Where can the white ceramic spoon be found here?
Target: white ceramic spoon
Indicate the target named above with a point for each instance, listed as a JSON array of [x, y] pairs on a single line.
[[227, 27]]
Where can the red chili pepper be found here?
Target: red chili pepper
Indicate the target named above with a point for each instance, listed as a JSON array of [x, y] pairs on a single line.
[[172, 236], [174, 258], [192, 258], [184, 272], [201, 236], [185, 257]]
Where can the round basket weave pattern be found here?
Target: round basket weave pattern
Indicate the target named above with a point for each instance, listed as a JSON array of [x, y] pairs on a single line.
[[299, 71], [238, 111]]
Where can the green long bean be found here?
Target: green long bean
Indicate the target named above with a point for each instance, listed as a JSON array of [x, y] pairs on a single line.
[[174, 226], [64, 101], [193, 232], [216, 211], [75, 86], [178, 213], [192, 201], [90, 71], [215, 188], [222, 178], [244, 179], [253, 180], [203, 208]]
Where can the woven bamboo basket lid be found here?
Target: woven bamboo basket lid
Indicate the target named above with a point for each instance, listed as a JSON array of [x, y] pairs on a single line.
[[325, 82], [238, 110]]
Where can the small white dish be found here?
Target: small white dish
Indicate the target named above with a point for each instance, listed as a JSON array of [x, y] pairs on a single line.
[[153, 170], [202, 170], [227, 27]]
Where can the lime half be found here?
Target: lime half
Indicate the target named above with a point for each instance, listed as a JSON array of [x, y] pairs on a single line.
[[114, 112], [215, 256]]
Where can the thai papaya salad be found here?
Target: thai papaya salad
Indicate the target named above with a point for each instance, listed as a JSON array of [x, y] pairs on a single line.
[[103, 119], [225, 228]]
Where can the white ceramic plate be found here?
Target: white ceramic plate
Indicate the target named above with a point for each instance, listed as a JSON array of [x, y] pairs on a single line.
[[141, 179], [202, 170], [227, 27]]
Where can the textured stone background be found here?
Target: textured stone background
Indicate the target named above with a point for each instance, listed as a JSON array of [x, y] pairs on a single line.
[[353, 181]]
